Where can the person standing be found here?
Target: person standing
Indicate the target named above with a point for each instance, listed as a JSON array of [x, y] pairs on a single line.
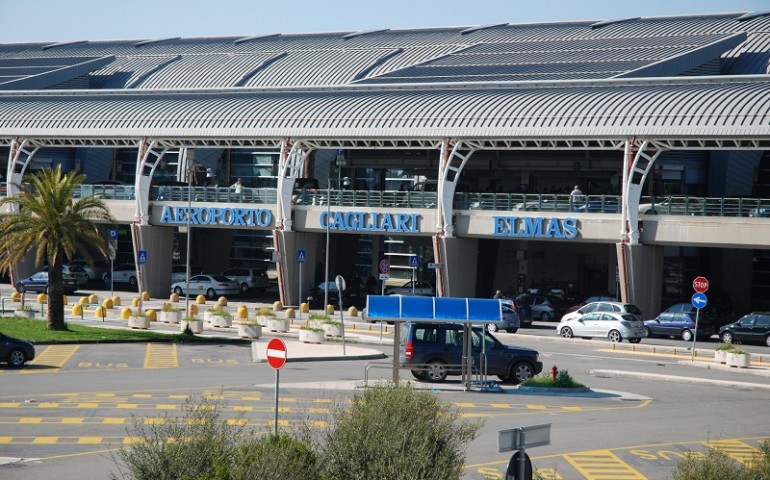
[[576, 198]]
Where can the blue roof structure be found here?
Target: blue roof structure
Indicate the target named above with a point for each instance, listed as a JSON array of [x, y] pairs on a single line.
[[434, 309]]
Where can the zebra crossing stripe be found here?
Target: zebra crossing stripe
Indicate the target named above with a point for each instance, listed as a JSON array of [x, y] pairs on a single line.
[[603, 465], [53, 356]]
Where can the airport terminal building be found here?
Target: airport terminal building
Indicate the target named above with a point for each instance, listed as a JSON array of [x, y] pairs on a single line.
[[452, 153]]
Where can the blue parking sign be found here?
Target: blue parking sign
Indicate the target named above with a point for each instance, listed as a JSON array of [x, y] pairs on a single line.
[[141, 257], [301, 255]]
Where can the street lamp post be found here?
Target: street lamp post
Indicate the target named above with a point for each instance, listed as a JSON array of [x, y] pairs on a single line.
[[326, 276], [187, 270]]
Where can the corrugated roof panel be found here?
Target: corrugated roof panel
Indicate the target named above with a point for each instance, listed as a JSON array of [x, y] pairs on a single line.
[[413, 56], [124, 71], [750, 57], [206, 71]]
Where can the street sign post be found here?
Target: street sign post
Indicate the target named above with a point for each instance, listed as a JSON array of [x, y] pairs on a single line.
[[519, 466], [276, 358], [385, 266], [700, 284], [301, 258], [414, 262], [141, 257], [699, 300], [339, 281]]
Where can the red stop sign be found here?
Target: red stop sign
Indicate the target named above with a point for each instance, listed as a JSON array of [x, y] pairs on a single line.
[[276, 353], [700, 284]]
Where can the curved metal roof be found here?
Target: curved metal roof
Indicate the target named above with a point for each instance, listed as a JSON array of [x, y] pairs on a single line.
[[684, 108]]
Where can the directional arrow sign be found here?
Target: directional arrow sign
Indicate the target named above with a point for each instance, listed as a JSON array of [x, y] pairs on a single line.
[[699, 300]]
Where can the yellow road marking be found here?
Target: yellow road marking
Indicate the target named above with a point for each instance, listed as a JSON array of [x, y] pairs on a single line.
[[735, 449], [53, 356], [161, 355], [603, 465]]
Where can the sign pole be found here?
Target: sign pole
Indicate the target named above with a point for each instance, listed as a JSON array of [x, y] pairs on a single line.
[[275, 418], [276, 358], [299, 293], [695, 335]]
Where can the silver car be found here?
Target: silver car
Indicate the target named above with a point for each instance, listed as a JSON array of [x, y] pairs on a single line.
[[610, 325], [210, 285]]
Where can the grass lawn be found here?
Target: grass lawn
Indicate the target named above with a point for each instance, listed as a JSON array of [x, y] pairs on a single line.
[[35, 331]]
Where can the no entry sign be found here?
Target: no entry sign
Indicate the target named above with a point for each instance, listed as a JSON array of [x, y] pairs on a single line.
[[276, 353], [700, 284]]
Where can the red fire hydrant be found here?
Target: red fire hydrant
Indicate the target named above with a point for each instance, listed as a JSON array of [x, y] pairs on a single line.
[[554, 372]]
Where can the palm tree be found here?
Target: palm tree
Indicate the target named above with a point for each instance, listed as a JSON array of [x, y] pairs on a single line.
[[54, 225]]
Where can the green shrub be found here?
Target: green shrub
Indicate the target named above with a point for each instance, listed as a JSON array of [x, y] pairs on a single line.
[[417, 436], [275, 457], [563, 380], [715, 464]]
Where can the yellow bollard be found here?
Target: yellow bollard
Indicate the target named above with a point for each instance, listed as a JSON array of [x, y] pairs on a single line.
[[173, 298], [77, 310], [41, 298], [353, 311], [125, 313], [116, 301], [93, 298], [222, 301], [145, 296], [99, 312], [193, 310], [15, 296], [135, 302], [201, 299], [277, 306], [107, 304], [330, 309], [242, 312], [152, 315], [64, 299], [304, 308], [83, 300], [289, 313]]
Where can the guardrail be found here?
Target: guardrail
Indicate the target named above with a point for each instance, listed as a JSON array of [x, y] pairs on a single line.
[[507, 202]]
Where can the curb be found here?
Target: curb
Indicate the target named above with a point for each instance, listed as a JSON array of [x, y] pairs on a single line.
[[676, 379]]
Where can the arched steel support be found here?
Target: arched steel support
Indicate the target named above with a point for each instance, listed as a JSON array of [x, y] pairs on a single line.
[[291, 164], [21, 154], [637, 165], [147, 161], [450, 167]]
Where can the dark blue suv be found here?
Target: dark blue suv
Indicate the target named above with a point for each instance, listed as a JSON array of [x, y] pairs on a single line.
[[434, 350], [679, 324]]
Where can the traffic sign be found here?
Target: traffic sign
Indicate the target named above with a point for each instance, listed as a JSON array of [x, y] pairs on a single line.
[[384, 276], [700, 284], [699, 300], [301, 255], [113, 233], [414, 261], [339, 280], [385, 266], [276, 353], [141, 257], [435, 265]]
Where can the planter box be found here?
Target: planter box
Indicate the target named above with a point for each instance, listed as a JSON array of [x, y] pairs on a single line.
[[142, 323], [332, 330], [263, 320], [720, 356], [311, 336], [278, 325], [249, 331], [217, 320], [170, 317], [195, 326], [740, 360], [24, 313], [313, 323]]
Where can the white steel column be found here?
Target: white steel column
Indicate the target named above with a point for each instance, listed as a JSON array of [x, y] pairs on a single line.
[[19, 159], [634, 175], [145, 168], [291, 164]]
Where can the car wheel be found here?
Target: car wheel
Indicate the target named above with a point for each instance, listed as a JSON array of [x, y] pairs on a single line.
[[686, 335], [512, 330], [521, 371], [566, 332], [211, 293], [132, 281], [244, 288], [545, 317], [418, 374], [491, 327], [614, 336], [647, 332], [767, 340], [634, 340], [726, 337], [435, 371], [16, 358], [178, 290], [20, 288]]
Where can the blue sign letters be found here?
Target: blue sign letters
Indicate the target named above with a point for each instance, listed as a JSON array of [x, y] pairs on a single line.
[[369, 221], [248, 217], [535, 227]]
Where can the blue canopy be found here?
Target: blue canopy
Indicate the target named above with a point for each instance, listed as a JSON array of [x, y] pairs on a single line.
[[434, 309]]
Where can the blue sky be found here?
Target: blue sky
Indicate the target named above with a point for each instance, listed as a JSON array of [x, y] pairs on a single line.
[[68, 20]]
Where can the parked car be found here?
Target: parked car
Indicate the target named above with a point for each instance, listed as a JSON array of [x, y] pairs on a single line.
[[675, 206], [511, 321], [210, 285], [123, 273], [595, 298], [95, 272], [434, 350], [75, 271], [614, 326], [616, 307], [38, 282], [248, 278], [316, 298], [679, 324], [179, 272], [751, 328], [420, 288], [599, 205], [15, 352], [544, 307]]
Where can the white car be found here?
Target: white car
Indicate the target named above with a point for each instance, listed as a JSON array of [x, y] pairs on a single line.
[[420, 288], [248, 278], [610, 307], [74, 271], [123, 273], [610, 325], [95, 272], [210, 285]]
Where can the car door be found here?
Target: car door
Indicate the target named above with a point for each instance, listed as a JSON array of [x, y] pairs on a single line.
[[197, 284], [744, 328], [587, 325], [39, 282], [450, 345], [667, 324], [761, 328], [487, 349]]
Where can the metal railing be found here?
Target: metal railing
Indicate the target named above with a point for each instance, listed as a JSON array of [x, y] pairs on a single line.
[[499, 202]]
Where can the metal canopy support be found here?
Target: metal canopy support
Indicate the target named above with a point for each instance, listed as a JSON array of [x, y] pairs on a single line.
[[291, 164], [634, 174], [19, 159], [450, 167], [144, 171]]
